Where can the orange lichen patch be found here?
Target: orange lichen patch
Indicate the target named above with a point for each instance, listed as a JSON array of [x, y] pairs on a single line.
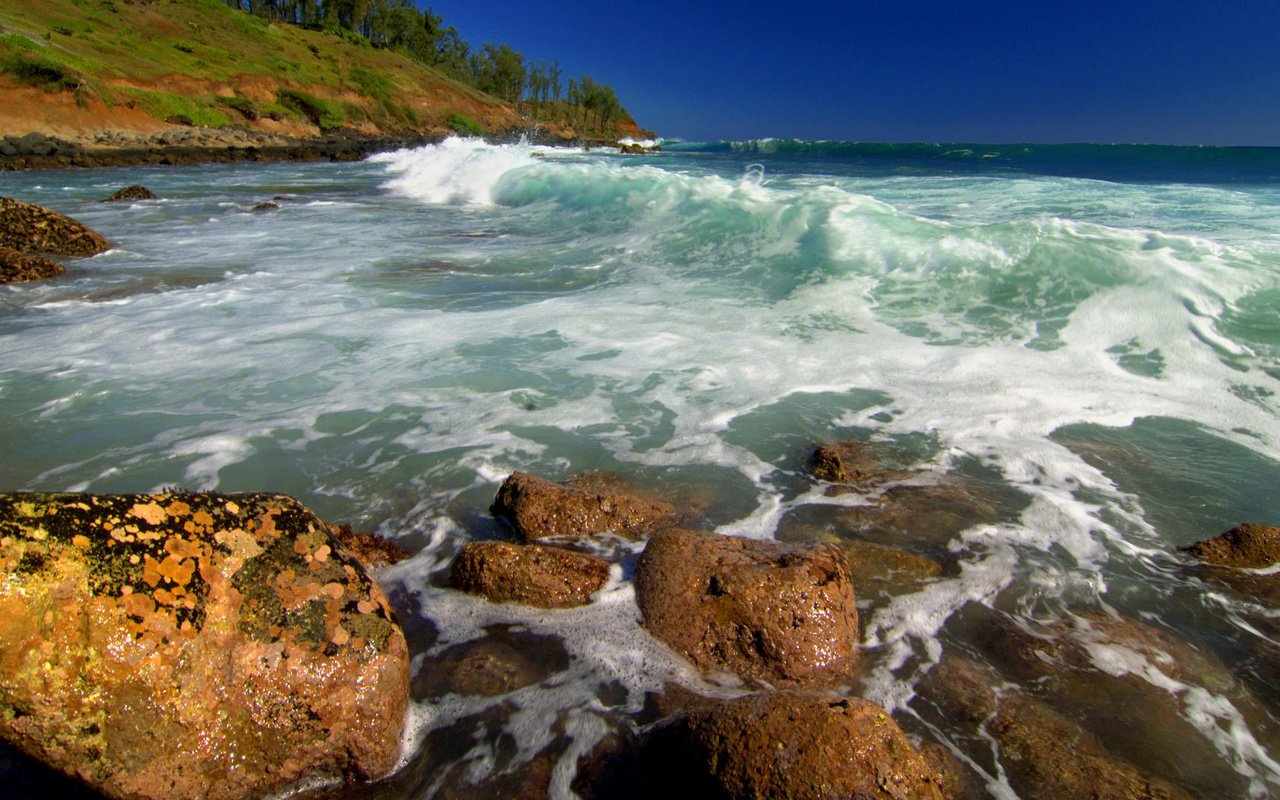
[[203, 518], [340, 636], [240, 543], [138, 605], [322, 553], [366, 606], [184, 548], [151, 570], [176, 570], [334, 590], [177, 508], [80, 541], [232, 507], [151, 512]]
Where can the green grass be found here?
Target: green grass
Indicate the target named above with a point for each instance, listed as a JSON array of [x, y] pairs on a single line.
[[323, 113], [165, 105], [464, 125], [34, 69]]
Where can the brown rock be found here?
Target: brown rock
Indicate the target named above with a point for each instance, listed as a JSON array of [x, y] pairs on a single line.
[[185, 645], [536, 575], [780, 614], [371, 550], [500, 662], [15, 266], [538, 508], [787, 746], [1246, 546], [878, 570], [1044, 754], [959, 781], [134, 192], [30, 228], [854, 463]]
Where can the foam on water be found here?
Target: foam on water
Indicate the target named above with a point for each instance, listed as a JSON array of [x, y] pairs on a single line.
[[402, 333]]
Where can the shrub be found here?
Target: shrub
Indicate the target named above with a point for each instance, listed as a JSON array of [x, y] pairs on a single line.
[[163, 105], [323, 113], [464, 125], [36, 70]]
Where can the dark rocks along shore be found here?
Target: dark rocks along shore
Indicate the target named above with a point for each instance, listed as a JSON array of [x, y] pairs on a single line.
[[227, 646]]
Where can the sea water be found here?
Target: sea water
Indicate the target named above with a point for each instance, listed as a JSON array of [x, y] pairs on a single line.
[[1090, 335]]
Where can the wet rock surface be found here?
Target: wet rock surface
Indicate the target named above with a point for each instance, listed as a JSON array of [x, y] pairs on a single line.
[[369, 549], [16, 266], [1044, 752], [193, 645], [781, 614], [133, 192], [1246, 546], [878, 570], [501, 662], [536, 575], [29, 228], [854, 464], [787, 746], [538, 509]]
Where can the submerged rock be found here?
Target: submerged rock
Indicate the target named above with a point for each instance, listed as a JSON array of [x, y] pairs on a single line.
[[538, 509], [193, 645], [501, 661], [1044, 753], [1246, 546], [29, 228], [781, 614], [877, 570], [536, 575], [15, 267], [853, 463], [134, 192], [787, 746]]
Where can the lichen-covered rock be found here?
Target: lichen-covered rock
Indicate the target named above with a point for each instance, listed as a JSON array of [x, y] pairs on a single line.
[[1246, 546], [193, 645], [538, 509], [1043, 753], [781, 614], [787, 746], [134, 192], [15, 266], [536, 575], [29, 228]]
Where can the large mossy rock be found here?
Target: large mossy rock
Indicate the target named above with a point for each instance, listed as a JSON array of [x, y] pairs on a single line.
[[193, 645], [29, 228], [787, 746], [781, 614]]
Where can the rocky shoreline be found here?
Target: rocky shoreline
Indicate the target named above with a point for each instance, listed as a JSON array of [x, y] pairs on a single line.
[[189, 146]]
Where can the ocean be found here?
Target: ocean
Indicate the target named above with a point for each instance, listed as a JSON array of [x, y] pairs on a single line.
[[1078, 346]]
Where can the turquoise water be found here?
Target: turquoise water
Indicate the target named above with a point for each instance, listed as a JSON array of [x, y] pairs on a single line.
[[1089, 335]]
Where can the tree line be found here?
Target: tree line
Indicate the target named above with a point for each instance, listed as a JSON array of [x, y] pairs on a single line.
[[538, 88]]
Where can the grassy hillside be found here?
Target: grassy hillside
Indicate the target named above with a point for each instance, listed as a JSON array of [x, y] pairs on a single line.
[[70, 66]]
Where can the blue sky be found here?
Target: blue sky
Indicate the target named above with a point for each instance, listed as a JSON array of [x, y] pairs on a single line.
[[1140, 71]]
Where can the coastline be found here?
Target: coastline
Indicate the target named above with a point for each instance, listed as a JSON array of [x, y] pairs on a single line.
[[193, 146]]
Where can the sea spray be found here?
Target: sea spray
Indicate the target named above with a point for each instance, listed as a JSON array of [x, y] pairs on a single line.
[[1092, 355]]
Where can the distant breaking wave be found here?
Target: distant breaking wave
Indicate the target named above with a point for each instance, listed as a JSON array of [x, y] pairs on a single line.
[[1117, 162]]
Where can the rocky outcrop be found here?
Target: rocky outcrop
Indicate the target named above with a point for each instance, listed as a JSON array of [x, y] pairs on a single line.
[[1043, 752], [780, 614], [15, 266], [786, 746], [134, 192], [186, 645], [1246, 546], [536, 575], [537, 509], [29, 228]]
